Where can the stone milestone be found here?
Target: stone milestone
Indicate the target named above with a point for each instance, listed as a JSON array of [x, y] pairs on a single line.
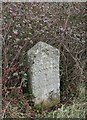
[[44, 81]]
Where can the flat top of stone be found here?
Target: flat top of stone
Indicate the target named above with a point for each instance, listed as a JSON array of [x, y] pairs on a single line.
[[41, 46]]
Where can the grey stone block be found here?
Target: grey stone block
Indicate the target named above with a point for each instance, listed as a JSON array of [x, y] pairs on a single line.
[[43, 61]]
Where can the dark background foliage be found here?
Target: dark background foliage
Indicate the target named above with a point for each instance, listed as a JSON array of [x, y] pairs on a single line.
[[61, 25]]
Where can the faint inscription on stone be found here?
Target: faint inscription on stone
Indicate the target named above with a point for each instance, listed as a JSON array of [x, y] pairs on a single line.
[[43, 61]]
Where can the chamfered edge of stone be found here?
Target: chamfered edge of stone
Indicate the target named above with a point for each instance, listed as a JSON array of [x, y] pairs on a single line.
[[41, 46]]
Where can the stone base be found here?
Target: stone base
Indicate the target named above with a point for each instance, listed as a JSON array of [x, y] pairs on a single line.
[[46, 104]]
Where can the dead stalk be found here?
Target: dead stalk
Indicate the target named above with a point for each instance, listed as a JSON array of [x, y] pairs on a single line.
[[5, 109]]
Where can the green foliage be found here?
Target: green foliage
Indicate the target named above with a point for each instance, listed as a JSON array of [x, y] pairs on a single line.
[[39, 108], [76, 110]]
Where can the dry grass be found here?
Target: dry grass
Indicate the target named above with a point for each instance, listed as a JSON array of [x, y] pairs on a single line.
[[76, 110]]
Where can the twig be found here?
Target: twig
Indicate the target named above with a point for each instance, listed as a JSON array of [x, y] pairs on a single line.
[[17, 55], [61, 43], [5, 109]]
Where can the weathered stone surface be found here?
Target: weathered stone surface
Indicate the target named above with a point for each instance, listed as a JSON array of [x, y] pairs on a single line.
[[43, 61]]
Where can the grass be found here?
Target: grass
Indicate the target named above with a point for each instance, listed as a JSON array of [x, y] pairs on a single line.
[[39, 108], [76, 110]]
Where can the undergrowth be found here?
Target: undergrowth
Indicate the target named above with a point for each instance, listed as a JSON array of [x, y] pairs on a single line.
[[75, 110]]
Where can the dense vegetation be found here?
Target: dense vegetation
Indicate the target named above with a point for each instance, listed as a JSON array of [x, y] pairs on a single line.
[[61, 25]]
